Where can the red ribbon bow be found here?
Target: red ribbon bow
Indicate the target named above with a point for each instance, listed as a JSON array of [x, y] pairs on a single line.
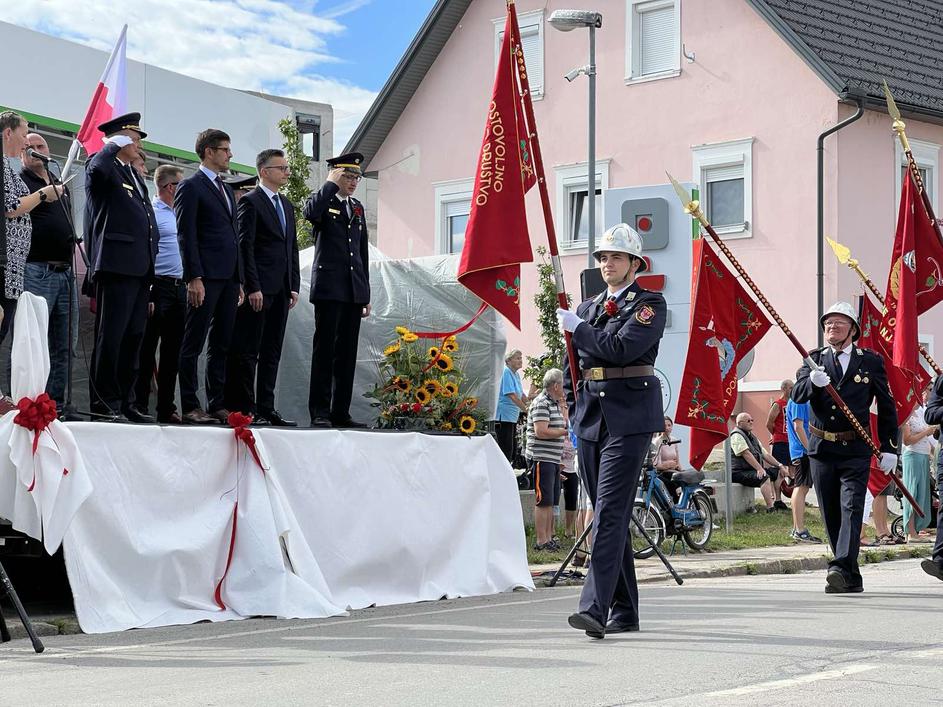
[[35, 415]]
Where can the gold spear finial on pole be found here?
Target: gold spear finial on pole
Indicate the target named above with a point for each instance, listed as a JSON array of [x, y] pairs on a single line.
[[691, 206], [898, 126], [843, 253]]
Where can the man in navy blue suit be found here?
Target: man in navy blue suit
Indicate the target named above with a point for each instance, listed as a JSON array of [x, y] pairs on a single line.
[[123, 241], [209, 245], [269, 247], [340, 290], [616, 406]]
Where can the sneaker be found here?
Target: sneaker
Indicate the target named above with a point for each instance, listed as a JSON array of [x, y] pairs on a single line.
[[771, 509], [553, 545], [780, 506], [806, 537]]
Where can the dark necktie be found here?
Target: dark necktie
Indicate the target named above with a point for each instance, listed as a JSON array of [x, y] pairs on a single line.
[[838, 369], [222, 192], [281, 213]]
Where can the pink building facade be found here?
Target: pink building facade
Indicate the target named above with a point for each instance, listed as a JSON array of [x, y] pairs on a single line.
[[713, 92]]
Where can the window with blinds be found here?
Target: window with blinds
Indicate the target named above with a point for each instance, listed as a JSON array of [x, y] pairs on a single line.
[[653, 39], [456, 215], [531, 25], [724, 191], [724, 174], [927, 156]]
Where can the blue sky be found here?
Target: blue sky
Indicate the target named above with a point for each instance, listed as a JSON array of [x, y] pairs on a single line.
[[332, 51]]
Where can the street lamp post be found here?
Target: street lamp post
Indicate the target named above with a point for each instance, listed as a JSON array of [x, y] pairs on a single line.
[[565, 21]]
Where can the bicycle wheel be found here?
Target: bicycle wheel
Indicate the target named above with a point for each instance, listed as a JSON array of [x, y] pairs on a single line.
[[654, 525], [698, 536], [897, 527]]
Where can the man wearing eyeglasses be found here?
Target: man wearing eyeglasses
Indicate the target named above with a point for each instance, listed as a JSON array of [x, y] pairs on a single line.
[[167, 306], [209, 245], [269, 246], [340, 290]]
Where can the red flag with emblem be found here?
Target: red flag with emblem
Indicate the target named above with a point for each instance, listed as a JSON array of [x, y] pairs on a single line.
[[725, 325], [902, 383], [496, 238]]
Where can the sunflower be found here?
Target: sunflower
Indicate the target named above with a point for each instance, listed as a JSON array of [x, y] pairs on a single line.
[[422, 396], [445, 426], [466, 424], [450, 344], [391, 349], [449, 389], [444, 363], [402, 330], [433, 352], [409, 337], [432, 386], [402, 384]]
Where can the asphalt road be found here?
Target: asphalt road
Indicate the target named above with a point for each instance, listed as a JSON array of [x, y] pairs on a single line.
[[742, 640]]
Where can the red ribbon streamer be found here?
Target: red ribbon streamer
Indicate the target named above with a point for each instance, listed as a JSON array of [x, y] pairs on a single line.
[[445, 335]]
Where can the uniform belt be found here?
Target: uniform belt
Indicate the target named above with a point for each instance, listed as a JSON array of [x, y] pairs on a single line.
[[604, 374], [177, 281], [845, 436]]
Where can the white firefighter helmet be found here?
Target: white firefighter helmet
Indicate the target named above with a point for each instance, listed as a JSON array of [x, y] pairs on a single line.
[[846, 310], [621, 238]]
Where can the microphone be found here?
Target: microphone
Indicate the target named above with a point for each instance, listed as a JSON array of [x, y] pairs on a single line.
[[37, 155]]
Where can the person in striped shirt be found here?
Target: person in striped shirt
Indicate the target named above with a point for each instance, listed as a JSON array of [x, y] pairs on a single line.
[[547, 424]]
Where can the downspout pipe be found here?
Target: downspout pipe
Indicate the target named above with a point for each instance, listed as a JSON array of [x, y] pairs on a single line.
[[857, 95]]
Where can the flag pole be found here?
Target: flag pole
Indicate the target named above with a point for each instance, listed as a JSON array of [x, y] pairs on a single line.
[[73, 154], [844, 257], [693, 208], [562, 297]]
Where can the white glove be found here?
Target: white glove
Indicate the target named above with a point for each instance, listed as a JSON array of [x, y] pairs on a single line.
[[888, 462], [119, 140], [819, 378], [568, 320]]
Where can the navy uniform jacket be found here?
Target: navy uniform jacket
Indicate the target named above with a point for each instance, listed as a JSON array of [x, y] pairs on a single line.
[[340, 271], [269, 256], [630, 338], [864, 380], [206, 229], [933, 415], [121, 227]]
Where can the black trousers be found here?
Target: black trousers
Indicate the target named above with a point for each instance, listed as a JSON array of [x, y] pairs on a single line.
[[506, 433], [611, 468], [840, 485], [164, 326], [215, 317], [119, 327], [334, 359], [256, 350], [938, 548]]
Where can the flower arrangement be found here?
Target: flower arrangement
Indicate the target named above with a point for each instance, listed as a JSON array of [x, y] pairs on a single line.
[[423, 387]]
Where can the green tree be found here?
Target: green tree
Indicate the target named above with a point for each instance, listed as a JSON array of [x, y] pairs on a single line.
[[297, 189], [547, 303]]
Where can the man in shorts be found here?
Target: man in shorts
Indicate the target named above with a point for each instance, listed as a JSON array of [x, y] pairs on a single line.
[[797, 427]]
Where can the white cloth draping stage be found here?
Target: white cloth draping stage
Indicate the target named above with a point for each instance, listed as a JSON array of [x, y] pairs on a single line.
[[338, 520]]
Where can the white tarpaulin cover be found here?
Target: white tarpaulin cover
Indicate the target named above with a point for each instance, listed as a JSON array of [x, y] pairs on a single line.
[[338, 519]]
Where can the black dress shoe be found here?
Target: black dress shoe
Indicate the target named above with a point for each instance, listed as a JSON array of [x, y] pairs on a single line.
[[618, 627], [348, 424], [198, 417], [135, 415], [837, 583], [261, 421], [850, 589], [584, 622], [276, 420], [321, 422], [171, 419], [932, 568]]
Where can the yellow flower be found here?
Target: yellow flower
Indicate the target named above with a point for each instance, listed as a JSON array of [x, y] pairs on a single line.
[[402, 384], [433, 352], [422, 396], [401, 330], [432, 386], [449, 389], [391, 349], [450, 344], [466, 424], [469, 403], [444, 363], [409, 337], [445, 426]]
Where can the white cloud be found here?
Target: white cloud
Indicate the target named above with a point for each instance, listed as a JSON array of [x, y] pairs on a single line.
[[265, 45]]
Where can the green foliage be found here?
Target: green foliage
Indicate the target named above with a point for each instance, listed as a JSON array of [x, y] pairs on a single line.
[[546, 303], [297, 189]]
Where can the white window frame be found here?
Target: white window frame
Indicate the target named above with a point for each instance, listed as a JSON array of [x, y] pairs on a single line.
[[525, 21], [447, 193], [727, 154], [632, 60], [569, 177], [926, 155]]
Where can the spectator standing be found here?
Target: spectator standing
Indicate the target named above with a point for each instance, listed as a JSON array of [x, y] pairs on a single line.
[[918, 451], [48, 273], [546, 429], [797, 430], [511, 403], [933, 415], [779, 436], [747, 457]]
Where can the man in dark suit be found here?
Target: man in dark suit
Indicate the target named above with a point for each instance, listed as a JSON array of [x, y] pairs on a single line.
[[839, 459], [933, 415], [269, 247], [123, 246], [340, 291], [615, 409], [209, 245]]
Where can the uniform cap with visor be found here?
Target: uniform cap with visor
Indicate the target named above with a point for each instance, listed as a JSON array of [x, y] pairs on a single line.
[[621, 238], [846, 310]]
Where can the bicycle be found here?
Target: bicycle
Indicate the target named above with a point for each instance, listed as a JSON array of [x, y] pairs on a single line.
[[690, 519]]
